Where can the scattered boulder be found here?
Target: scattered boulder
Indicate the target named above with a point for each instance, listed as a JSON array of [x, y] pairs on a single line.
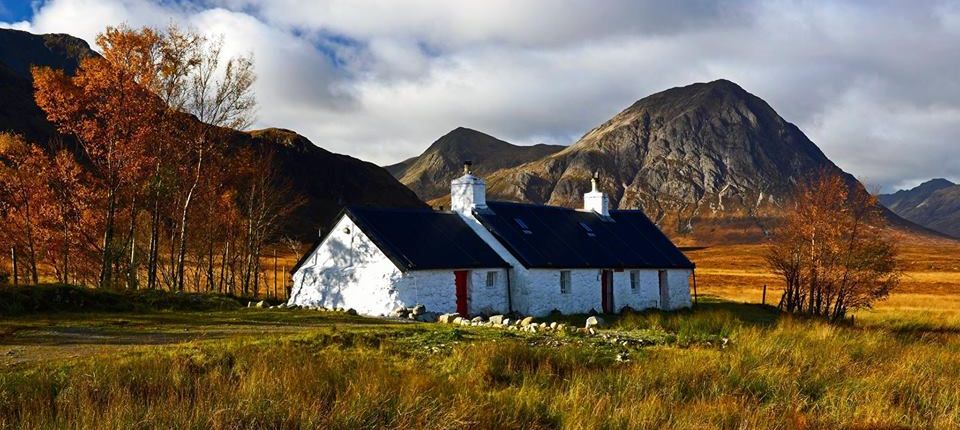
[[497, 319], [458, 320], [526, 321], [506, 322], [418, 310], [447, 318], [427, 317], [553, 325], [351, 311], [477, 320], [595, 321], [260, 305]]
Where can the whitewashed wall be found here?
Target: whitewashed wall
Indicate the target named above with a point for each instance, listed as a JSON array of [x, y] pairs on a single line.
[[678, 281], [541, 293], [348, 270], [645, 296]]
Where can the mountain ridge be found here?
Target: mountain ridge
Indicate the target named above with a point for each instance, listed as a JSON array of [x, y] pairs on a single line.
[[934, 204]]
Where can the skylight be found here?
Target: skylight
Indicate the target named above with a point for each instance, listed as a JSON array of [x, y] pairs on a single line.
[[523, 226], [587, 229]]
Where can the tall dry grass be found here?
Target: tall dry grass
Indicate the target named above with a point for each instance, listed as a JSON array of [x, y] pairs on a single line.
[[774, 373]]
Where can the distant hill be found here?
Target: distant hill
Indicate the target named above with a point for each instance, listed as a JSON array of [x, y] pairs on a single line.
[[429, 173], [934, 204], [328, 181]]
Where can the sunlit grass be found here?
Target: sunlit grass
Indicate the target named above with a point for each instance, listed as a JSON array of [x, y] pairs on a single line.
[[774, 372]]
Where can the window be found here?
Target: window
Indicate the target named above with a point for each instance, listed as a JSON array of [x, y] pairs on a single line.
[[491, 279], [634, 279], [564, 282]]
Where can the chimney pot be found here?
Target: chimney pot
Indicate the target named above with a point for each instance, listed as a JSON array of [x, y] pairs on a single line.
[[596, 200]]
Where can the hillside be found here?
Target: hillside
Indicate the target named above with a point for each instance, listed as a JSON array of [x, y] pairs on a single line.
[[19, 51], [429, 173], [708, 161], [934, 204], [327, 181]]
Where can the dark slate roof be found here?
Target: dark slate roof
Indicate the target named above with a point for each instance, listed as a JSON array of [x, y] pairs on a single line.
[[421, 239], [553, 237]]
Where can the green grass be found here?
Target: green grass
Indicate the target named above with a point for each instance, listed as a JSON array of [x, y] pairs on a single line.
[[308, 369]]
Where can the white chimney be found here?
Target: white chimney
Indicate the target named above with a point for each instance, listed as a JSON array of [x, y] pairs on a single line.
[[595, 200], [467, 192]]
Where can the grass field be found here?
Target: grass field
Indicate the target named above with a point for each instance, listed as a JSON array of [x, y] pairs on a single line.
[[729, 363]]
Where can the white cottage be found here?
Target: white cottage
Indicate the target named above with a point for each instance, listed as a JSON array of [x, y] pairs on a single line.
[[494, 257]]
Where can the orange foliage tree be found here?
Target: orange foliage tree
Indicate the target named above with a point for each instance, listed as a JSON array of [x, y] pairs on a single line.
[[832, 251], [114, 116]]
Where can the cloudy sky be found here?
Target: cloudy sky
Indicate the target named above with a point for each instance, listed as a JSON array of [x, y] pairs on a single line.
[[875, 84]]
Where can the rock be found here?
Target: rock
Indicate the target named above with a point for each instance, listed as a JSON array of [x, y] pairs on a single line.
[[497, 319], [427, 317], [554, 325], [477, 320], [562, 327], [418, 310], [595, 321], [249, 304], [351, 311], [458, 320], [526, 321], [447, 318], [282, 306], [506, 322], [532, 328], [260, 305], [592, 331]]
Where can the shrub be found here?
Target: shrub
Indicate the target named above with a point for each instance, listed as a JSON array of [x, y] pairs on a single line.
[[69, 298]]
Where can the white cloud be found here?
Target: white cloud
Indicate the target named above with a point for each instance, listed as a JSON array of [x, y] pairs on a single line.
[[873, 84]]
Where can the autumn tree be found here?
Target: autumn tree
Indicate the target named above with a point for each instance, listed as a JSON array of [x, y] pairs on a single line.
[[208, 95], [21, 196], [109, 108], [832, 251]]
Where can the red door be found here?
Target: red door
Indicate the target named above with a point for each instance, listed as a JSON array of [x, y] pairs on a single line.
[[462, 302], [606, 291]]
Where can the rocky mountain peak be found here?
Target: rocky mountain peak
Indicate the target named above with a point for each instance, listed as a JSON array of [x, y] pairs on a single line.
[[429, 173]]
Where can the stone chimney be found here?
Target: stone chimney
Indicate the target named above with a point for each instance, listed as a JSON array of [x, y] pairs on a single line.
[[595, 200], [467, 192]]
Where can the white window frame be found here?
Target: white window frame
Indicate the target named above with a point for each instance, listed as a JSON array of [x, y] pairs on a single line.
[[492, 278], [635, 280], [565, 281]]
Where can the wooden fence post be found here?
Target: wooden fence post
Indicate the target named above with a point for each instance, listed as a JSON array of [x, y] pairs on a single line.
[[764, 300]]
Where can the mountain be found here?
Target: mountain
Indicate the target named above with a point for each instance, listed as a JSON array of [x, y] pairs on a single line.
[[934, 204], [19, 51], [707, 160], [326, 180], [429, 173]]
